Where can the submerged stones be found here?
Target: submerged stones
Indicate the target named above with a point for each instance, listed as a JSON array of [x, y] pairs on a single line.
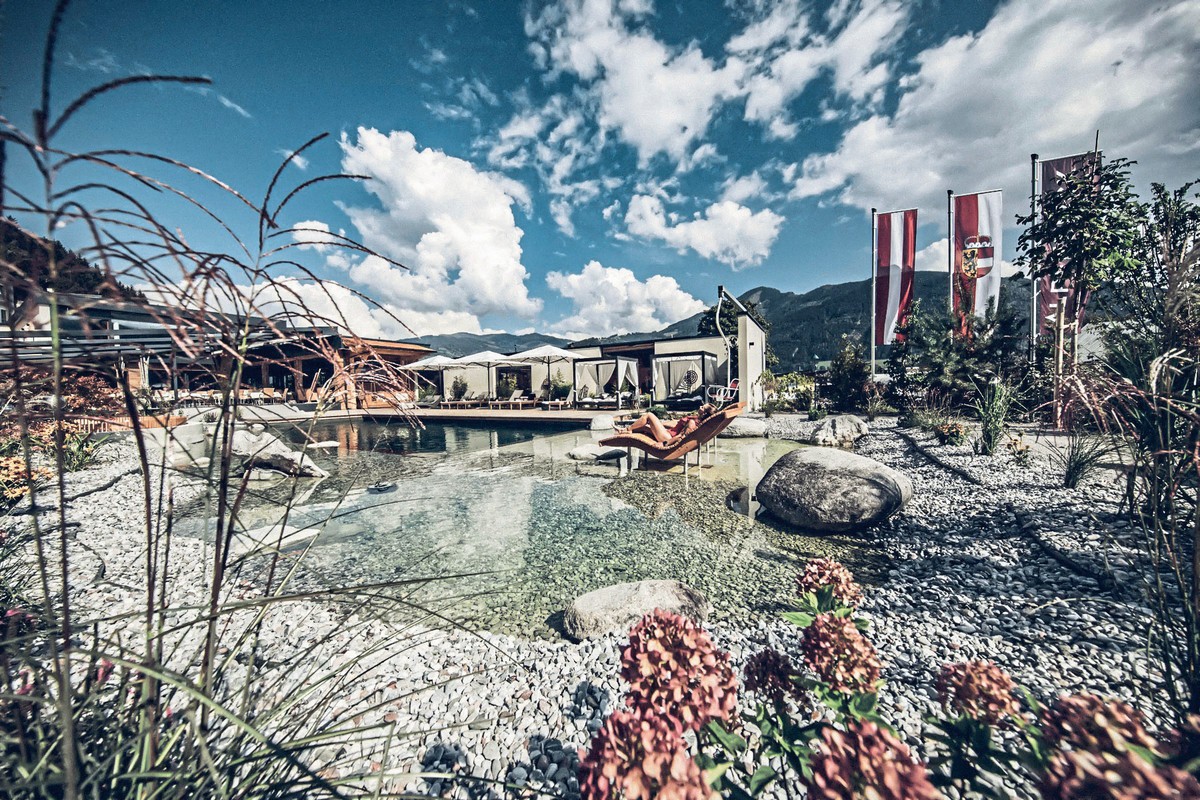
[[827, 490], [616, 608], [842, 430]]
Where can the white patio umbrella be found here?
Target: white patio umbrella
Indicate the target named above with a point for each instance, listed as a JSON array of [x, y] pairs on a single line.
[[437, 363], [484, 358], [544, 354]]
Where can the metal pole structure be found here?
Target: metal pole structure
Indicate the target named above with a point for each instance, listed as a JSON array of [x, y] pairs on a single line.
[[1033, 283], [724, 338], [950, 242], [874, 277]]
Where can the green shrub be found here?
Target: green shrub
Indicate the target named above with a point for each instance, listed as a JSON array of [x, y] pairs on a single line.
[[458, 389], [951, 432], [505, 388], [849, 376], [992, 406], [559, 387]]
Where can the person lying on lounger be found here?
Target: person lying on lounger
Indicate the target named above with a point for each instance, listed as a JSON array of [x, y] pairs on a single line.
[[652, 426]]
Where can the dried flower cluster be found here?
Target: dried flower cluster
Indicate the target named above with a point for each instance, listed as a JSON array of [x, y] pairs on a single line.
[[14, 477], [820, 572], [977, 689], [1080, 775], [840, 655], [770, 674], [1096, 724], [640, 756], [1095, 759], [674, 669], [866, 761], [952, 433]]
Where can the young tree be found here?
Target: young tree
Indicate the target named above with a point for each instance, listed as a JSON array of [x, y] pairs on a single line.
[[849, 375], [729, 325]]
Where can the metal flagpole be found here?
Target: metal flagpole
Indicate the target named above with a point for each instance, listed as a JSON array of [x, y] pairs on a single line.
[[874, 277], [950, 242], [1033, 282]]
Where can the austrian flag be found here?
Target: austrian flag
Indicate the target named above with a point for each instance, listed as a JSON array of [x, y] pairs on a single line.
[[895, 260]]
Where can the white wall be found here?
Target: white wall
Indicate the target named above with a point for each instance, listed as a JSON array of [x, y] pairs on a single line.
[[706, 344], [752, 361]]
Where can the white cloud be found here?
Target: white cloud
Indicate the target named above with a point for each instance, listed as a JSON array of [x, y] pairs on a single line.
[[300, 162], [609, 300], [727, 231], [1042, 76], [787, 54], [657, 98], [313, 234], [739, 188], [449, 222]]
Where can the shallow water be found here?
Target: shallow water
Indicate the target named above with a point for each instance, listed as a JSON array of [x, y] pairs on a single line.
[[525, 529]]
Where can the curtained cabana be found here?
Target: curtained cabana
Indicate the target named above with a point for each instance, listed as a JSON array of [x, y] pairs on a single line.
[[594, 376], [683, 374]]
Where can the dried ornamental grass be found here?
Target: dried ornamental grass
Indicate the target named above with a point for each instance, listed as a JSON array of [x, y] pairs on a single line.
[[840, 655], [822, 572], [674, 669], [866, 762], [977, 689]]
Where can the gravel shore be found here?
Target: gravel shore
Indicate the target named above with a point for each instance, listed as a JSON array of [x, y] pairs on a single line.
[[971, 573]]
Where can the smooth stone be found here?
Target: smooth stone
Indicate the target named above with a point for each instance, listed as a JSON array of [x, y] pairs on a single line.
[[327, 445], [842, 430], [595, 452], [602, 422], [618, 607], [744, 427], [825, 489], [267, 450]]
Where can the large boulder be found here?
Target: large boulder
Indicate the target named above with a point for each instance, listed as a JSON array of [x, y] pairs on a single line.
[[745, 427], [258, 447], [840, 431], [617, 608], [602, 422], [827, 490]]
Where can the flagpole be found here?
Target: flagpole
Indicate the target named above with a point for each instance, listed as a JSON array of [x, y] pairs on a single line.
[[1033, 283], [950, 242], [874, 277]]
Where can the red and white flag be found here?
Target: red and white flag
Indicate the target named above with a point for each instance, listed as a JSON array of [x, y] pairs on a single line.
[[977, 249], [895, 260], [1054, 173]]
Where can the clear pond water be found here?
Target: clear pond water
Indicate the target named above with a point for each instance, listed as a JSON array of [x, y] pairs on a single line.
[[508, 530]]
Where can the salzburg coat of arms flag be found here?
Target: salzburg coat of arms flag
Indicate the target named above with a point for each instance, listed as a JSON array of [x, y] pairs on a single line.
[[977, 249]]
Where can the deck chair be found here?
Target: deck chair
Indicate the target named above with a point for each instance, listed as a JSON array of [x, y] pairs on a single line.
[[526, 402], [429, 401], [468, 401], [513, 398], [559, 405], [680, 446]]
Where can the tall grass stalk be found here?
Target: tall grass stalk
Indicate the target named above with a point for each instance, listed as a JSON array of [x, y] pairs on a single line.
[[178, 698], [1081, 457], [992, 406]]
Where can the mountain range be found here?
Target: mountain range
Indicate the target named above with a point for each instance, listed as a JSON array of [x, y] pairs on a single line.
[[804, 327]]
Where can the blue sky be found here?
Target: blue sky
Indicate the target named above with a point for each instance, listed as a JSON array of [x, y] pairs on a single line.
[[596, 166]]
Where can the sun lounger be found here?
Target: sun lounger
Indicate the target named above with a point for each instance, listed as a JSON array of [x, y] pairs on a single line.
[[513, 398], [679, 446], [429, 401], [468, 401], [558, 405]]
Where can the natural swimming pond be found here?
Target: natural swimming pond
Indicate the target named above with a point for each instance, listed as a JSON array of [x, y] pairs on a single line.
[[516, 530]]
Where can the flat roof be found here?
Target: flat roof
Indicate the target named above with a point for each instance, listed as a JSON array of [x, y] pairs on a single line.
[[635, 342]]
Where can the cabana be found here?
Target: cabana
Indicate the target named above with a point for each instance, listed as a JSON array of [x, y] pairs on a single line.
[[598, 381], [683, 375]]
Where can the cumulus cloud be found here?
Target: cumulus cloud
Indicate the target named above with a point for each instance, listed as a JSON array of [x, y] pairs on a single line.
[[1041, 76], [449, 222], [610, 300], [726, 231], [657, 98]]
